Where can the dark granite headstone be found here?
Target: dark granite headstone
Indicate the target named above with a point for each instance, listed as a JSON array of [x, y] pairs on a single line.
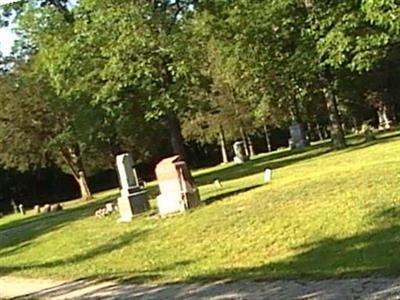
[[298, 139]]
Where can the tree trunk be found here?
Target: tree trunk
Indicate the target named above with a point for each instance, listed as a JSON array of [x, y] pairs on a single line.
[[222, 142], [251, 148], [267, 138], [354, 124], [296, 112], [82, 177], [84, 187], [393, 113], [384, 121], [325, 131], [336, 129], [244, 139], [176, 135], [320, 133], [337, 134], [74, 162], [308, 133]]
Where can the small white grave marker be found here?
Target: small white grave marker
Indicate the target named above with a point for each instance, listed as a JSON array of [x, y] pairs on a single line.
[[217, 183], [267, 175]]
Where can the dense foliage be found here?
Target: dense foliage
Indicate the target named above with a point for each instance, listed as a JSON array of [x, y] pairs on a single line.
[[90, 79]]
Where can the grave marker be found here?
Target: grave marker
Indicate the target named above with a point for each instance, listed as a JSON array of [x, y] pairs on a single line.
[[298, 139], [267, 175], [133, 199], [240, 152], [178, 192]]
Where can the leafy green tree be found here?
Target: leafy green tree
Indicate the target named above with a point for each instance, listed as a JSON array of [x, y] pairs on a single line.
[[353, 35], [34, 132], [123, 56]]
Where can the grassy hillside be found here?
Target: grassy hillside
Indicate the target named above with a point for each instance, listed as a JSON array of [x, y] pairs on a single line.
[[326, 214]]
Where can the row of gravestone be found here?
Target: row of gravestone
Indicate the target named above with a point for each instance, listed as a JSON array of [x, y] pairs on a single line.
[[18, 208], [37, 209], [298, 140], [47, 208], [178, 192]]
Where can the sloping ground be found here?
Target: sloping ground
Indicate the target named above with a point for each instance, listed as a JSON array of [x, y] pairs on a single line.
[[326, 214]]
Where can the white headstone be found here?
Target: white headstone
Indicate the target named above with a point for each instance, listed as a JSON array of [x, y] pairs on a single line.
[[267, 175]]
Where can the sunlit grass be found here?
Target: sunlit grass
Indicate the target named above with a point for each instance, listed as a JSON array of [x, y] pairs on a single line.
[[325, 214]]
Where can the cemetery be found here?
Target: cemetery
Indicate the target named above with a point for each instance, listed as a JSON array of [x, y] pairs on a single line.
[[322, 214], [199, 149]]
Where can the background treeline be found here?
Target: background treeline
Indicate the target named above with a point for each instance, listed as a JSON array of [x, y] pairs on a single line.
[[91, 79]]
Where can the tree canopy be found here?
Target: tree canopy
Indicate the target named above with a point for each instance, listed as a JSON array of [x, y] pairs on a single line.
[[97, 78]]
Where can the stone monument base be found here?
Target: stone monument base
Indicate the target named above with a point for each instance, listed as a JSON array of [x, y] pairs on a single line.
[[178, 202], [132, 204]]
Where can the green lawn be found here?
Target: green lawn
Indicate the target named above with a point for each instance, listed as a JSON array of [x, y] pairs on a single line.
[[326, 214]]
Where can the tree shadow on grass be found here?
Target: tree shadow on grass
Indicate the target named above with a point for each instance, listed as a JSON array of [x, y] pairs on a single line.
[[17, 234], [14, 250], [276, 160], [104, 283], [367, 254], [115, 244], [280, 290], [258, 165], [372, 253], [359, 142], [223, 195]]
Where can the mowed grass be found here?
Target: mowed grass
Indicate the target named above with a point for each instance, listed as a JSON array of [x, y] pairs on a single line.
[[325, 214]]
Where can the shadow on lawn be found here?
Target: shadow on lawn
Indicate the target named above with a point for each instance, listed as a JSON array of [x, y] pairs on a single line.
[[276, 160], [336, 289], [372, 253], [224, 195], [17, 234], [107, 284], [107, 247], [358, 142], [273, 161], [364, 255], [368, 253]]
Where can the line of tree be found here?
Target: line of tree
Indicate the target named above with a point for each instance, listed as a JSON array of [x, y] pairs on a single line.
[[92, 79]]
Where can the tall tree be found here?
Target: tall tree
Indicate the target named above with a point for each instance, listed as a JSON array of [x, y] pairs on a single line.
[[34, 133], [123, 56]]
